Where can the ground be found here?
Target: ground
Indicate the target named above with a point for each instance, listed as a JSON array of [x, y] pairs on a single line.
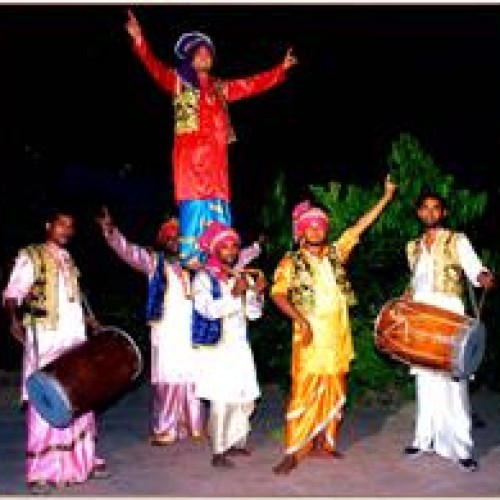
[[371, 439]]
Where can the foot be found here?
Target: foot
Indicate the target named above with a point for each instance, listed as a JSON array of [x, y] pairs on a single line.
[[39, 488], [100, 472], [286, 465], [468, 464], [412, 452], [320, 453], [236, 451], [221, 461], [160, 440]]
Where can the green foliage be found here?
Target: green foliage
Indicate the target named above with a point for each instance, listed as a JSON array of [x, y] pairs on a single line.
[[378, 268]]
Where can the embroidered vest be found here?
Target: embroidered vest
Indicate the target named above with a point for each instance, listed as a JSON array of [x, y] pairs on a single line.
[[41, 304], [301, 292], [206, 331], [186, 104], [447, 272]]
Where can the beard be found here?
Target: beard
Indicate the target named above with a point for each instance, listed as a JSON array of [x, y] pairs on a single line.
[[432, 224]]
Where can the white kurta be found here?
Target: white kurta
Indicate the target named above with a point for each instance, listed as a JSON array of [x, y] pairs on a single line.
[[172, 353], [443, 414], [70, 329], [226, 372]]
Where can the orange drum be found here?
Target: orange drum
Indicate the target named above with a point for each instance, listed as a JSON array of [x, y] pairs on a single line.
[[86, 377], [423, 335]]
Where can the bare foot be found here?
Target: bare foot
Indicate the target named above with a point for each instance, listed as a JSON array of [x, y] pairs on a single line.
[[286, 465], [322, 453]]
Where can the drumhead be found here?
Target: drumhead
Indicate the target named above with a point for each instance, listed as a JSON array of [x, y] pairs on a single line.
[[470, 350], [49, 399], [118, 331]]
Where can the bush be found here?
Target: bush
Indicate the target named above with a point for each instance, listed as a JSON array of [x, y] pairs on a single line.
[[377, 268]]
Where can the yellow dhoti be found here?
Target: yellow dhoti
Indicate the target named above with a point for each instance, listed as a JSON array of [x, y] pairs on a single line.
[[315, 407]]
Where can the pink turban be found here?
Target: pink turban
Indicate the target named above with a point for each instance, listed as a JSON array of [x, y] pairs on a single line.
[[214, 235], [305, 215]]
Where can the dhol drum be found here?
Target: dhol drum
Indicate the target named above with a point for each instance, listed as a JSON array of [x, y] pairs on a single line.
[[85, 377], [427, 336]]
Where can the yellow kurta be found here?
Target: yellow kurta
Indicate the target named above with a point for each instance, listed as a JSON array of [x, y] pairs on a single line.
[[318, 370]]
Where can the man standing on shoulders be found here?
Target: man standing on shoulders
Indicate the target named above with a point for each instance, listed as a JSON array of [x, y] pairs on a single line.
[[203, 129]]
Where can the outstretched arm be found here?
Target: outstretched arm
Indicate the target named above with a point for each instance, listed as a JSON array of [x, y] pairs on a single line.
[[163, 74], [134, 255], [241, 88], [371, 216]]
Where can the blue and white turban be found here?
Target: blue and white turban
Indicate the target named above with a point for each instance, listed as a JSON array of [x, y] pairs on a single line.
[[185, 47]]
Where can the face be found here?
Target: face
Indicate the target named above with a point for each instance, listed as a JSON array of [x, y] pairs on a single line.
[[202, 59], [315, 234], [170, 244], [61, 229], [228, 252], [431, 212]]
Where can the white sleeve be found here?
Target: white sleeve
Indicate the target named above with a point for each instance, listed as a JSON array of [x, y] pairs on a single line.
[[254, 304], [209, 307], [21, 279], [469, 260]]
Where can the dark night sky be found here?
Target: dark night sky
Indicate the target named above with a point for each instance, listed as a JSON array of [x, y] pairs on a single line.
[[73, 92]]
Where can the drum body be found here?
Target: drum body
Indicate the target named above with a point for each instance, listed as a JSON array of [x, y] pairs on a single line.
[[85, 377], [423, 335]]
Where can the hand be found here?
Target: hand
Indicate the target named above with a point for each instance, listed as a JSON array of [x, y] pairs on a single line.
[[486, 279], [240, 286], [306, 332], [18, 331], [406, 295], [133, 27], [289, 60], [105, 220], [260, 284], [389, 187], [93, 325]]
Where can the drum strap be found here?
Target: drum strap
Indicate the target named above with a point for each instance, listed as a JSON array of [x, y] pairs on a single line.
[[472, 297]]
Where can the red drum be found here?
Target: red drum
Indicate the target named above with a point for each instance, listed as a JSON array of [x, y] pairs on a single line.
[[85, 377], [428, 336]]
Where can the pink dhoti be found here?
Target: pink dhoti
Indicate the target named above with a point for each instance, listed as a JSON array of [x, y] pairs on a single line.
[[58, 456], [177, 413]]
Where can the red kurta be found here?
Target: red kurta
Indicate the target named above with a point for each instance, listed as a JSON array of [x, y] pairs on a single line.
[[200, 158]]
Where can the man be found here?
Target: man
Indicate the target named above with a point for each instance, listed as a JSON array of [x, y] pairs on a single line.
[[44, 281], [227, 377], [311, 288], [438, 260], [177, 412], [202, 128]]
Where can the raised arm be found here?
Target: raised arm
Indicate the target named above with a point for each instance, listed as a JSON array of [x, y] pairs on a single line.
[[163, 74], [134, 255], [241, 88], [369, 217]]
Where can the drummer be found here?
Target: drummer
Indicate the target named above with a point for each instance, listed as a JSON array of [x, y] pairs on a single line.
[[42, 300], [438, 260]]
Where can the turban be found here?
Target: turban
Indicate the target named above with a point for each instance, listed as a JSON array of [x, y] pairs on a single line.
[[169, 229], [185, 47], [216, 234], [305, 215], [187, 44]]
